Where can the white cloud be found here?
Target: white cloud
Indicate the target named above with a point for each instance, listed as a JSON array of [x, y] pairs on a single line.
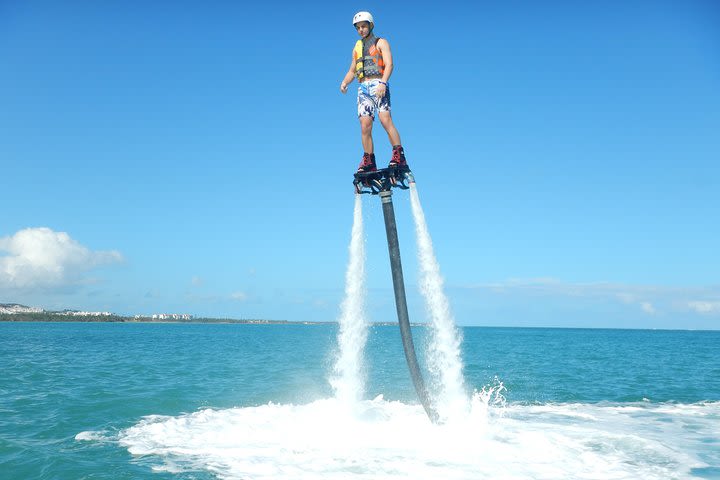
[[634, 299], [651, 299], [42, 258], [704, 307], [647, 307], [239, 296], [553, 287]]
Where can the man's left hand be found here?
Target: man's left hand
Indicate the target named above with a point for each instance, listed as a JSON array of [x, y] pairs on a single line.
[[380, 90]]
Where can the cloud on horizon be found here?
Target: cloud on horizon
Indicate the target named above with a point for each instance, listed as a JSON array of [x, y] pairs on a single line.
[[705, 307], [239, 296], [650, 299], [41, 258]]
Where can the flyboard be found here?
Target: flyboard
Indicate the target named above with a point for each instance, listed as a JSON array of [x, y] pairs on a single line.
[[381, 182]]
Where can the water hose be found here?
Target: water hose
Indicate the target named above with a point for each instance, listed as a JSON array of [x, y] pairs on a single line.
[[401, 305]]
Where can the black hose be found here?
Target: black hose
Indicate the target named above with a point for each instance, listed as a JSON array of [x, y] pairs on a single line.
[[401, 305]]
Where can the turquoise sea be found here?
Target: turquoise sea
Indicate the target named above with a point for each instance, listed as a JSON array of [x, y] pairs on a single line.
[[201, 401]]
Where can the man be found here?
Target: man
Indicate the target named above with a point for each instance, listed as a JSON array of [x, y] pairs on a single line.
[[372, 64]]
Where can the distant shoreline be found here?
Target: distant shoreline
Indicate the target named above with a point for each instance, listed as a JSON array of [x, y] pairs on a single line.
[[59, 318], [54, 317]]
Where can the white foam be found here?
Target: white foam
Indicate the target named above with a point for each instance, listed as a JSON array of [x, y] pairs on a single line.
[[92, 436], [392, 440]]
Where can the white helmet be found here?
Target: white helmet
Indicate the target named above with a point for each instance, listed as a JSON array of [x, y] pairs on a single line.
[[363, 17]]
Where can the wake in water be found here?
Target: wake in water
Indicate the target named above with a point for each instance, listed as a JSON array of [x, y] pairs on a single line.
[[443, 354], [348, 381], [392, 440]]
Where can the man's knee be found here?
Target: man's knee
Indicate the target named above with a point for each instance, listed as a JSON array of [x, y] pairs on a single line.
[[386, 121], [366, 125]]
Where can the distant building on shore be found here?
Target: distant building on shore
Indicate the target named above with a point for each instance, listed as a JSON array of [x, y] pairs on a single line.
[[171, 316], [15, 308], [74, 313]]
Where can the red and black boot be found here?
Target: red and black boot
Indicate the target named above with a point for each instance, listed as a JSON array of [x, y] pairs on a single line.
[[398, 157], [367, 164]]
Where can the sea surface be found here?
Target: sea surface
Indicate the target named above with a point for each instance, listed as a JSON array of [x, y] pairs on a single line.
[[228, 401]]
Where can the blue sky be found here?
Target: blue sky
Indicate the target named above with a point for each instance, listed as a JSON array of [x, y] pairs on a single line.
[[197, 157]]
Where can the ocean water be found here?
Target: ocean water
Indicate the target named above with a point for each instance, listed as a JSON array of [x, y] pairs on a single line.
[[191, 401]]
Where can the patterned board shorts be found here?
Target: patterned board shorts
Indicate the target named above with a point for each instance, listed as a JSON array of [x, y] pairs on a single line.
[[368, 103]]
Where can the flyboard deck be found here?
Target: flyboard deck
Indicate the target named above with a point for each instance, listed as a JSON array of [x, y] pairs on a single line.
[[383, 179]]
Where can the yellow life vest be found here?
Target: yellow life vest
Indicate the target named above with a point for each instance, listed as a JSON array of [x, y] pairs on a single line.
[[368, 59]]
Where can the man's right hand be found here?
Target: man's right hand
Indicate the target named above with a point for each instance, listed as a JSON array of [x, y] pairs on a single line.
[[343, 87]]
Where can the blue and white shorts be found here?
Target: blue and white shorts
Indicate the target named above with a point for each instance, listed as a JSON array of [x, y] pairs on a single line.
[[368, 103]]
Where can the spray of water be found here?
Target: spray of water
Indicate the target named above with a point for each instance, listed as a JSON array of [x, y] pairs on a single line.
[[394, 441], [348, 381], [443, 355]]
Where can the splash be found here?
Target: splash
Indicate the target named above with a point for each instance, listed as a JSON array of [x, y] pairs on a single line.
[[392, 440], [487, 403], [443, 355], [348, 381]]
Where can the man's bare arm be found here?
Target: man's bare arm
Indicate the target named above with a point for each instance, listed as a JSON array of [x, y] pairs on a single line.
[[384, 48], [348, 77]]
